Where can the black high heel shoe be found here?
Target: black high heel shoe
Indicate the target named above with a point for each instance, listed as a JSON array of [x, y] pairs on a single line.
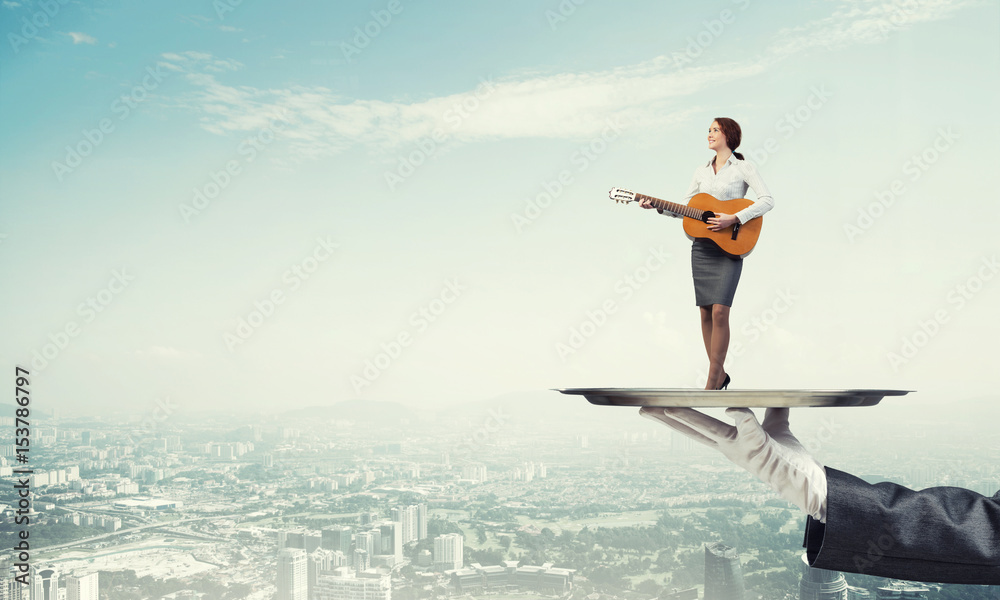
[[725, 383]]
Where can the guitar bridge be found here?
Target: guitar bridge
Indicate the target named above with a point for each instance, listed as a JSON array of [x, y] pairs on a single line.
[[736, 229]]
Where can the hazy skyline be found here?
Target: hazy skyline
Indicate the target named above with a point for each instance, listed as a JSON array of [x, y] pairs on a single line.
[[274, 212]]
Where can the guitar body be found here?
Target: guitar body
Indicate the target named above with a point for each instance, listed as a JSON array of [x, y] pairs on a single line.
[[739, 245], [735, 240]]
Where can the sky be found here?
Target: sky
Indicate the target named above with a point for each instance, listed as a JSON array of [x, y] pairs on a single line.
[[262, 206]]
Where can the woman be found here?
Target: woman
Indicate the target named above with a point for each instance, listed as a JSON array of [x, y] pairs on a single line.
[[716, 274]]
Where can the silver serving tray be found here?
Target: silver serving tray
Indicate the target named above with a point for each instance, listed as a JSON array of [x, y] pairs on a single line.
[[729, 398]]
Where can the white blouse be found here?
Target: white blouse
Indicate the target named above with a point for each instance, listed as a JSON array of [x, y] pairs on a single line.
[[729, 183]]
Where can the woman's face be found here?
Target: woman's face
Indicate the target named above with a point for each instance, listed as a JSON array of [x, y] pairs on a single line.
[[716, 139]]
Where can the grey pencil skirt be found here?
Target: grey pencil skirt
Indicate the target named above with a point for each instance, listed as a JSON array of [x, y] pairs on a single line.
[[715, 273]]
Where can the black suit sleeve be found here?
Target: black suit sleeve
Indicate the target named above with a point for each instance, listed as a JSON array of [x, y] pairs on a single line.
[[943, 534]]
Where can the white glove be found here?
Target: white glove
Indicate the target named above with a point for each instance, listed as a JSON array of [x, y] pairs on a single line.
[[771, 452]]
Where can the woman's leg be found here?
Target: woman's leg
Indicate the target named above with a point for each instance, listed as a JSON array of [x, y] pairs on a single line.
[[717, 343], [706, 328]]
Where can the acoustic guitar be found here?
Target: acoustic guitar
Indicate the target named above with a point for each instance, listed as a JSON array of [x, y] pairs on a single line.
[[736, 240]]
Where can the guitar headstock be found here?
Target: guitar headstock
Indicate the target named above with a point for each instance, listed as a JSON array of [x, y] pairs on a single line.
[[622, 195]]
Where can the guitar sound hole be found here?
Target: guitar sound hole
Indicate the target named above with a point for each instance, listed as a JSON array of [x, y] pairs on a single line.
[[705, 216]]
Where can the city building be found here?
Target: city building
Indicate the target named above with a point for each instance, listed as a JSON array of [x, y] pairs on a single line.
[[362, 560], [412, 521], [474, 472], [856, 593], [448, 551], [392, 540], [365, 540], [899, 590], [820, 584], [546, 579], [723, 575], [292, 574], [11, 588], [421, 521], [337, 537], [342, 584], [83, 587], [321, 560], [44, 584]]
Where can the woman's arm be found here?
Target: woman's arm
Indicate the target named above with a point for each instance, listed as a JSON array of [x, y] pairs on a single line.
[[763, 203]]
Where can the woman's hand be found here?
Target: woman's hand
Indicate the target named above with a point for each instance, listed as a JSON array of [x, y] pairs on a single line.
[[646, 204], [720, 221]]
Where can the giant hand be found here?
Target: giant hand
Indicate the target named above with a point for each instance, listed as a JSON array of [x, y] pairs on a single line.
[[770, 452]]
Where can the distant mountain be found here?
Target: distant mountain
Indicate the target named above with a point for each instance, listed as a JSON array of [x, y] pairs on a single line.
[[541, 405], [7, 410], [355, 410]]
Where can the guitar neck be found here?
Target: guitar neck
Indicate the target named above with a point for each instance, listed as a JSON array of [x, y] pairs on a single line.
[[681, 209]]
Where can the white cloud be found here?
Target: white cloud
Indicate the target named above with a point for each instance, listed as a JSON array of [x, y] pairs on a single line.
[[82, 38], [570, 106]]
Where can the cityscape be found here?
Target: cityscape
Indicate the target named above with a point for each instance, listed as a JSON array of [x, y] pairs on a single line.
[[376, 501]]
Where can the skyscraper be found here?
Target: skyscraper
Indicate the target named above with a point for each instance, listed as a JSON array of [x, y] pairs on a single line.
[[421, 521], [44, 584], [292, 574], [82, 588], [392, 539], [337, 537], [407, 519], [820, 584], [365, 540], [448, 551], [292, 539], [723, 575], [362, 560]]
